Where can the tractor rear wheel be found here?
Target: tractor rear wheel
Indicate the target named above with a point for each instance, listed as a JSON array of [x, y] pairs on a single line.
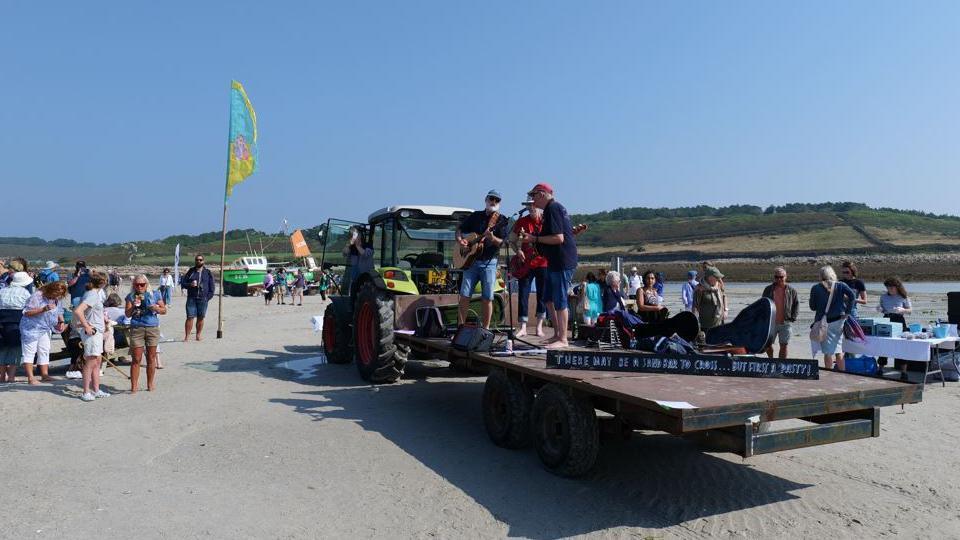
[[379, 359], [336, 337], [565, 430]]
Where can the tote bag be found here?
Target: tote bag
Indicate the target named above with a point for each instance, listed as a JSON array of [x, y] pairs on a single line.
[[818, 330]]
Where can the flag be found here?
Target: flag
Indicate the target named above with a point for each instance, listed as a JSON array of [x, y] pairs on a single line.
[[176, 265], [300, 248], [242, 155]]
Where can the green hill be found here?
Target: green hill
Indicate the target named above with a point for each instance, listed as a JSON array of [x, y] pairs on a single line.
[[690, 233]]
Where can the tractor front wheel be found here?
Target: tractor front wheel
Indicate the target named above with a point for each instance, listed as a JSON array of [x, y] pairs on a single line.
[[379, 359], [336, 337]]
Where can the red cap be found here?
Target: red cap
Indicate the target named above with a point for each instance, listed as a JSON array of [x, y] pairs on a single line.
[[542, 186]]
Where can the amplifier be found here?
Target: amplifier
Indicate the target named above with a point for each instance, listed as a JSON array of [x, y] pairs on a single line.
[[472, 339]]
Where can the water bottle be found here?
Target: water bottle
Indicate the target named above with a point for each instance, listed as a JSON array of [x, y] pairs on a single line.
[[509, 345]]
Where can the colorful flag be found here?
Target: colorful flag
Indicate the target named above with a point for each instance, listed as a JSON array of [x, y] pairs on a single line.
[[300, 248], [176, 264], [242, 156]]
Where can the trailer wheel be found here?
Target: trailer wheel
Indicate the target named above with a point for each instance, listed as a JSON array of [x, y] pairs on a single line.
[[379, 360], [336, 337], [565, 430], [506, 410]]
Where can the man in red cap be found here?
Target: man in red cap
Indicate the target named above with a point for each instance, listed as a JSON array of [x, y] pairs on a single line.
[[555, 242]]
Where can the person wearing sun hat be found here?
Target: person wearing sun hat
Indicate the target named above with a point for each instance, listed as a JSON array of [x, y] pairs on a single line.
[[483, 269], [709, 299], [49, 273], [557, 244], [13, 298]]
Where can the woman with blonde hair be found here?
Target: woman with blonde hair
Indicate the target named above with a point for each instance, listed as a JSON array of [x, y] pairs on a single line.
[[143, 308], [89, 317], [42, 315], [833, 301]]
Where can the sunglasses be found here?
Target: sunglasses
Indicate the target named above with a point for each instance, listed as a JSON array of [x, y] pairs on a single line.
[[140, 284], [493, 199], [198, 260]]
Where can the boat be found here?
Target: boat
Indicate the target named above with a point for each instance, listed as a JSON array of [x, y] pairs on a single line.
[[244, 274]]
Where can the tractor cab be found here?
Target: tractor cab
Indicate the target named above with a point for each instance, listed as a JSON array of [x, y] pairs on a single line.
[[414, 249]]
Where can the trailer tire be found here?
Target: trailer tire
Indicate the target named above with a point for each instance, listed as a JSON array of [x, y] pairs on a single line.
[[336, 337], [506, 410], [565, 430], [379, 359]]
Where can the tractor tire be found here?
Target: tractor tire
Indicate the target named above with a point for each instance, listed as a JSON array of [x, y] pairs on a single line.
[[565, 431], [506, 410], [336, 337], [379, 359]]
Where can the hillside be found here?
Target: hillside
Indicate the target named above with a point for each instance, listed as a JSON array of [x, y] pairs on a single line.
[[639, 234]]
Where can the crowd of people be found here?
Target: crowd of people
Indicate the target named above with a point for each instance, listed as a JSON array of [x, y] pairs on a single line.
[[85, 308]]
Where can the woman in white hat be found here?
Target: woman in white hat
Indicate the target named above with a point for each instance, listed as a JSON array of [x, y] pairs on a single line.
[[13, 298]]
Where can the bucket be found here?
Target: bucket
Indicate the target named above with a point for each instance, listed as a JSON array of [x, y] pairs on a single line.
[[940, 331], [915, 327]]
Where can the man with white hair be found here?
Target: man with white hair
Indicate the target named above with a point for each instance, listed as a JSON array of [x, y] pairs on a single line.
[[557, 243], [787, 304]]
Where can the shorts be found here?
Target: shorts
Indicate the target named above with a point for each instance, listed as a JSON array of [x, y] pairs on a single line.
[[834, 341], [36, 346], [144, 336], [196, 308], [297, 291], [10, 355], [556, 284], [92, 345], [483, 271], [783, 333]]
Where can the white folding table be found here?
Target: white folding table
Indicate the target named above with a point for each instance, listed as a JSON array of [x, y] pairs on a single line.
[[909, 350]]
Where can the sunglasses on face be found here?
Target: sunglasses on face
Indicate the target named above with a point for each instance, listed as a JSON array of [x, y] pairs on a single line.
[[198, 260], [140, 284], [493, 199]]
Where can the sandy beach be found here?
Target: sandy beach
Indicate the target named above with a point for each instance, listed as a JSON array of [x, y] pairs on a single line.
[[254, 436]]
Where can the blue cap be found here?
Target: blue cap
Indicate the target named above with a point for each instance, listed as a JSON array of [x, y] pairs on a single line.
[[692, 274], [494, 193]]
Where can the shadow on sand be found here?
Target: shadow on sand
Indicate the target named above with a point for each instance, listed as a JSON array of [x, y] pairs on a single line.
[[650, 481]]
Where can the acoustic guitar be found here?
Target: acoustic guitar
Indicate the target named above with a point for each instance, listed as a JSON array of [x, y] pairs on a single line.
[[519, 268], [475, 243]]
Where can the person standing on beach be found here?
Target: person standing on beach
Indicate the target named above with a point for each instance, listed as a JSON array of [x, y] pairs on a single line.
[[268, 287], [42, 315], [709, 299], [833, 300], [635, 283], [78, 283], [279, 284], [323, 284], [686, 292], [166, 286], [200, 289], [557, 243], [848, 271], [89, 316], [49, 273], [143, 308], [299, 284], [787, 303], [13, 298]]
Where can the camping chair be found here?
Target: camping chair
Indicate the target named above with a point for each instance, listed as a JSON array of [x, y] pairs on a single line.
[[109, 347]]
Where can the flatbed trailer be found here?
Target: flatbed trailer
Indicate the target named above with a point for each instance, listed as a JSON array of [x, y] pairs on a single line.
[[525, 402]]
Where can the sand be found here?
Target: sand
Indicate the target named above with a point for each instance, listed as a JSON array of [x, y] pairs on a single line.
[[249, 437]]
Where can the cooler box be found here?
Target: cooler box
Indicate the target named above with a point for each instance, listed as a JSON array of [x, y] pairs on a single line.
[[868, 323], [888, 329]]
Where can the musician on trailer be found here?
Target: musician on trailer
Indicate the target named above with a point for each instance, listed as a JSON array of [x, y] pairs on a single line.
[[557, 243], [483, 269], [534, 268]]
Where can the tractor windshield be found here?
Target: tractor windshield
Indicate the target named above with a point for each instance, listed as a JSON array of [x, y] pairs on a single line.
[[425, 235]]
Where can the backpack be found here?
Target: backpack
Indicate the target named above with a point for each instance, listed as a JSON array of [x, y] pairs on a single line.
[[10, 327]]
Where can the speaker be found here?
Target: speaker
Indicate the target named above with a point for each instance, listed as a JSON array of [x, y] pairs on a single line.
[[953, 307], [472, 339]]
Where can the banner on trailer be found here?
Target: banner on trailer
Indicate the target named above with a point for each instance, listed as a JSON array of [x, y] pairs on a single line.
[[299, 245], [694, 364]]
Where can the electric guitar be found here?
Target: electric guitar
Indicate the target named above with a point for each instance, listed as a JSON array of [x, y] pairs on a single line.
[[471, 251], [520, 267]]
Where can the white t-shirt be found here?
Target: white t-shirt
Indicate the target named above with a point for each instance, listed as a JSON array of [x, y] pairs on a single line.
[[635, 283], [94, 314]]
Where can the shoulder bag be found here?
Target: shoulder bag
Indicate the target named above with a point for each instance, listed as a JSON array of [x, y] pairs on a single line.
[[818, 330]]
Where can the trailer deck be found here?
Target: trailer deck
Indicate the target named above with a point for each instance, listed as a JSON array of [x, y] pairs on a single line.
[[722, 413]]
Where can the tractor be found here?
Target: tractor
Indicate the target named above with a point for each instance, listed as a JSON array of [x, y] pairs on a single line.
[[416, 264]]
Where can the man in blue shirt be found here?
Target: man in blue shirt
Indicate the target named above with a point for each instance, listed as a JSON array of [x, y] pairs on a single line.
[[198, 281], [483, 269], [49, 273], [557, 244]]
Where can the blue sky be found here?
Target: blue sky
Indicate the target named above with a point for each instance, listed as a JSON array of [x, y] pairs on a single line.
[[117, 111]]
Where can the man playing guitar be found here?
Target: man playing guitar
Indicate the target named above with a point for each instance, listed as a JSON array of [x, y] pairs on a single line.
[[489, 228], [528, 267]]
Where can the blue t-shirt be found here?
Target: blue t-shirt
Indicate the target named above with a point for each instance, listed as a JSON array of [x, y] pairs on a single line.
[[147, 317], [842, 303], [556, 221], [80, 287], [477, 223]]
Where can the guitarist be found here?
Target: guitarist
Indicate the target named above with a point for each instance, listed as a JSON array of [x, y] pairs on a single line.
[[556, 242], [533, 269], [491, 228]]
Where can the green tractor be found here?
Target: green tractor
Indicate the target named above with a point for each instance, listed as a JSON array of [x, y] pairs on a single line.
[[415, 264]]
